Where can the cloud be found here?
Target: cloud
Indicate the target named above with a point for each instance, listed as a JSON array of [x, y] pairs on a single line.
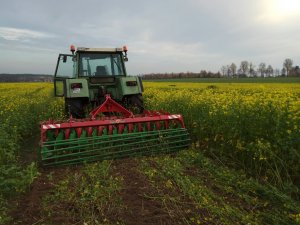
[[16, 34], [170, 35]]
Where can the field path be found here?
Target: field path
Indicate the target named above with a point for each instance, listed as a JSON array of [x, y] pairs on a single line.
[[28, 208], [151, 190], [139, 209], [140, 199]]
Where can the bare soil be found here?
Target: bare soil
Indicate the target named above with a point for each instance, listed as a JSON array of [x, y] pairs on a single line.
[[139, 208], [142, 201], [28, 207]]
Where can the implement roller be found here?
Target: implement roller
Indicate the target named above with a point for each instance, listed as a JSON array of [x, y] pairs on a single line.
[[111, 130]]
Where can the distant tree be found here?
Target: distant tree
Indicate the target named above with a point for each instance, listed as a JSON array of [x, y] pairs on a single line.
[[288, 65], [262, 69], [203, 73], [283, 72], [244, 67], [233, 68], [277, 72], [270, 71], [228, 71], [239, 73], [295, 71], [252, 70], [224, 70]]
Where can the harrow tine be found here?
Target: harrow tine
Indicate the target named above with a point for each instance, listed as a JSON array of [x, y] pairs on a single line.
[[90, 140], [129, 139], [138, 150]]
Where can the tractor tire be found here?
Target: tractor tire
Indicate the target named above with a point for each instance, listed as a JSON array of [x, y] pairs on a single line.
[[74, 108], [135, 103]]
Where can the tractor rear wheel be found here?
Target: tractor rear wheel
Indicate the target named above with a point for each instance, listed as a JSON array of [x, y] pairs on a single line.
[[135, 103], [74, 107]]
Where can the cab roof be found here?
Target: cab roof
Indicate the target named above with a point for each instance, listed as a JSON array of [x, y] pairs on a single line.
[[84, 49]]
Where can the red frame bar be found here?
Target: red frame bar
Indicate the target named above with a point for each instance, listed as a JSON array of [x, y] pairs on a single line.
[[106, 122], [111, 106]]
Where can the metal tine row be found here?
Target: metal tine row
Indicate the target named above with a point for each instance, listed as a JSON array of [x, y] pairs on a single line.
[[112, 129], [93, 148]]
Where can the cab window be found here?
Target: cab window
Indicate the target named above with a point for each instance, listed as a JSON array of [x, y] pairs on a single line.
[[100, 64]]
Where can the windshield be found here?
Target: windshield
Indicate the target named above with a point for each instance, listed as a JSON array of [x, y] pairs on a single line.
[[66, 66], [101, 64]]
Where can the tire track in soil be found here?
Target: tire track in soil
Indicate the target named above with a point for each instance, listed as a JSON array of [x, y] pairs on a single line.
[[28, 207], [139, 210]]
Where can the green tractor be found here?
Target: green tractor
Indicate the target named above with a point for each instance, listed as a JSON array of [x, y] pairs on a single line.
[[107, 119], [87, 75]]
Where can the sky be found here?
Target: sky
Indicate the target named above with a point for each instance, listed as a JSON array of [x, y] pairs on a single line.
[[161, 35]]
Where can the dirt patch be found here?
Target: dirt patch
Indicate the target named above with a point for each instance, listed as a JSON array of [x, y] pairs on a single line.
[[183, 209], [149, 203], [139, 209], [143, 202], [28, 208], [29, 150]]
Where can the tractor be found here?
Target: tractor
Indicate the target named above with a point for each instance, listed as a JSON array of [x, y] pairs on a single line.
[[86, 76], [106, 118]]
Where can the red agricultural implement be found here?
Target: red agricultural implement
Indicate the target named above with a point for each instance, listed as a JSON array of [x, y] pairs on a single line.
[[96, 78], [106, 136]]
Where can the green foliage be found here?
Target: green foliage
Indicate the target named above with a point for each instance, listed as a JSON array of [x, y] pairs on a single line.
[[22, 107], [227, 196], [4, 218], [14, 180], [86, 196]]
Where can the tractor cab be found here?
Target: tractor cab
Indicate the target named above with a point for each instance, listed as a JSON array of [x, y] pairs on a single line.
[[100, 63], [87, 75], [88, 62]]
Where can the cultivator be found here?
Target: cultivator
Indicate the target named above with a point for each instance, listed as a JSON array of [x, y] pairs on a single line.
[[111, 132]]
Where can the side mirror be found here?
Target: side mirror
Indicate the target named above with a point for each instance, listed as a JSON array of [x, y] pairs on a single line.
[[65, 59], [125, 59]]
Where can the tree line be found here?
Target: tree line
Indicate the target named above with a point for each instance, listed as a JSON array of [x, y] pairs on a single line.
[[25, 78], [201, 74], [248, 69], [245, 69]]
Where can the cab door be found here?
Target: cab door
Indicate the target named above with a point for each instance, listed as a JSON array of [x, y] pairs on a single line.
[[65, 69]]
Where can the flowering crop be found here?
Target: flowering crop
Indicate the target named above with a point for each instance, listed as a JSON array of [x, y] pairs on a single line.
[[255, 127], [252, 127], [22, 107]]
